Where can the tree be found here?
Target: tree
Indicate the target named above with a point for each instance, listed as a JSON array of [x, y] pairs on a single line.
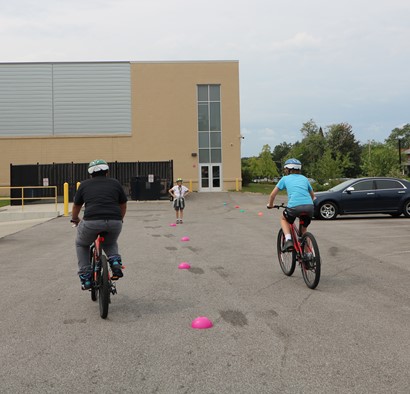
[[402, 133], [266, 164], [309, 128], [280, 152], [341, 140], [380, 160], [328, 167]]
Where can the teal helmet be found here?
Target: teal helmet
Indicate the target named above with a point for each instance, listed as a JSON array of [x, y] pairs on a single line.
[[97, 165]]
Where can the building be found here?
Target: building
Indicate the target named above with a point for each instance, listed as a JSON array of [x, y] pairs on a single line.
[[187, 112]]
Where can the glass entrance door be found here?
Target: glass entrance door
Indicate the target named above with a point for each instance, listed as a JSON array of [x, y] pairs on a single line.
[[210, 178]]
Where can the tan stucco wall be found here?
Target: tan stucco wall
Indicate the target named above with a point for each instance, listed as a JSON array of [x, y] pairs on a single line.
[[164, 124]]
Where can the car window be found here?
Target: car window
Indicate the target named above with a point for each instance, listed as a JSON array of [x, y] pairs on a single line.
[[388, 184], [363, 185]]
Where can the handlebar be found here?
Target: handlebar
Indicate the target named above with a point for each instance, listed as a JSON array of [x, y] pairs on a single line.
[[277, 206]]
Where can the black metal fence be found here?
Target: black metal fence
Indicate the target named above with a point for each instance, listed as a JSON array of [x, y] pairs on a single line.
[[133, 176]]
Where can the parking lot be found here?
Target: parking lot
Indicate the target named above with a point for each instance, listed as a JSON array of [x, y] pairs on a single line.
[[271, 333]]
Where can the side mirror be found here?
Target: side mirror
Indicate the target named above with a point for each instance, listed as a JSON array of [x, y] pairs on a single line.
[[350, 189]]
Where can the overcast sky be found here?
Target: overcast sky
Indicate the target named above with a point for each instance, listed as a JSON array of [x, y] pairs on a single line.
[[330, 61]]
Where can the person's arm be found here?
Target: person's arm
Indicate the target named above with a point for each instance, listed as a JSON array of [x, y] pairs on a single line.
[[123, 208], [171, 192], [75, 212], [272, 196], [312, 194]]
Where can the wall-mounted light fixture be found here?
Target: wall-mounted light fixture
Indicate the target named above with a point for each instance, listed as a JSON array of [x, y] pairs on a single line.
[[194, 154]]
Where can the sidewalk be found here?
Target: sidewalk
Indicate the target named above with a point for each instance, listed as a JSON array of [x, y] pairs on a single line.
[[15, 218]]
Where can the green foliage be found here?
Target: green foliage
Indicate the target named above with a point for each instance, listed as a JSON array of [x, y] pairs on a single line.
[[334, 154], [402, 133], [380, 160], [341, 140], [246, 171], [266, 165]]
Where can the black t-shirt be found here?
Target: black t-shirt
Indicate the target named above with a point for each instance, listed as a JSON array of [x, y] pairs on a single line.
[[102, 197]]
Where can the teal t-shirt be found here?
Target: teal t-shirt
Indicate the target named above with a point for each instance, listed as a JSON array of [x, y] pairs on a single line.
[[297, 187]]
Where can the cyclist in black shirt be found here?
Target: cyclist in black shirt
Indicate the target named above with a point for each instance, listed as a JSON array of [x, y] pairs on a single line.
[[105, 206]]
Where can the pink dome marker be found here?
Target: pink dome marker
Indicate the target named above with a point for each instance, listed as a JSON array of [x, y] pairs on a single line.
[[236, 206], [185, 239], [172, 225], [201, 323], [260, 214], [184, 266]]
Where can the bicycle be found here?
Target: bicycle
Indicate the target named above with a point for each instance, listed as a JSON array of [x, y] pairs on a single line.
[[101, 283], [305, 252]]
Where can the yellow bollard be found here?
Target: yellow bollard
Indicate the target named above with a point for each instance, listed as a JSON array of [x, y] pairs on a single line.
[[237, 184], [190, 185], [78, 185], [65, 199]]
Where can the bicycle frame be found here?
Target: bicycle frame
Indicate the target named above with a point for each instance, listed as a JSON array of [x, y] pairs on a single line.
[[97, 250]]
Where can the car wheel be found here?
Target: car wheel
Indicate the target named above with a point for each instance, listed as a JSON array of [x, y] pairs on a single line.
[[406, 209], [328, 211]]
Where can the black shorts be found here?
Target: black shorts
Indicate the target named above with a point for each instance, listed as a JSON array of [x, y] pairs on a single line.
[[303, 212]]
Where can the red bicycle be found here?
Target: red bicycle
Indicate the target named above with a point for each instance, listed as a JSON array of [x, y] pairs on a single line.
[[305, 252], [101, 284]]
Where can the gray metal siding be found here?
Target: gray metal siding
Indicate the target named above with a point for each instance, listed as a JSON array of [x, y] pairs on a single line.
[[65, 99], [25, 99], [92, 98]]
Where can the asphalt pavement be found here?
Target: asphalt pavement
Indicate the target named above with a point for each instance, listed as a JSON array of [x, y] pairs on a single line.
[[270, 334]]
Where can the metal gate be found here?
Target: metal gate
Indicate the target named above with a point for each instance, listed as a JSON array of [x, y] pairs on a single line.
[[56, 174]]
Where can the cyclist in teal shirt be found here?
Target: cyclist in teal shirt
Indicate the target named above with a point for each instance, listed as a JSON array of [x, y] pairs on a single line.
[[300, 199]]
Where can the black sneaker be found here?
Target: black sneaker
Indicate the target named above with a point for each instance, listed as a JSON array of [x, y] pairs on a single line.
[[85, 281], [287, 246], [116, 268]]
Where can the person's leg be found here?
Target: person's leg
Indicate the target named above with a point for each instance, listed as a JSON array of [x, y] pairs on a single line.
[[113, 229], [285, 223], [86, 233], [181, 215]]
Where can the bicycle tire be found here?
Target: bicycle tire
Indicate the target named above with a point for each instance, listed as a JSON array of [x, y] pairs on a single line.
[[94, 283], [311, 264], [104, 288], [287, 260]]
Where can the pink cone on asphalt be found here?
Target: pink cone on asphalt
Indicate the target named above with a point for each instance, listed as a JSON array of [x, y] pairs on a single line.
[[201, 323], [184, 266], [172, 224], [185, 239], [236, 206]]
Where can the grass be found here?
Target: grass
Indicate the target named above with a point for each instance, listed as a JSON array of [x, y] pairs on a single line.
[[3, 203], [264, 188]]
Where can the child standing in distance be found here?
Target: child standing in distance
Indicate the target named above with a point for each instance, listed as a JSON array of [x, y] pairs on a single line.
[[178, 192], [300, 199]]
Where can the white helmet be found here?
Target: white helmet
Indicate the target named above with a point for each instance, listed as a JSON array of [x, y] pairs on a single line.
[[293, 164]]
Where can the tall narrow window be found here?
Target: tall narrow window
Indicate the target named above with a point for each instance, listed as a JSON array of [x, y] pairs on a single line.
[[209, 124]]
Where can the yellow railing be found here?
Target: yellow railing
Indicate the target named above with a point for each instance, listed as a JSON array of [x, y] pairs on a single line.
[[23, 198]]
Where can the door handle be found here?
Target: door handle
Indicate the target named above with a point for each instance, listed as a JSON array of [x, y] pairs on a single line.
[[369, 194]]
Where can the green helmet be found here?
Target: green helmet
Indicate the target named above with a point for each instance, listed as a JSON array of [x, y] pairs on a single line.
[[97, 165], [179, 180]]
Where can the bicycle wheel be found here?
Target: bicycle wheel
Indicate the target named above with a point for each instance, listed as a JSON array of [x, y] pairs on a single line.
[[94, 284], [104, 288], [310, 260], [287, 260]]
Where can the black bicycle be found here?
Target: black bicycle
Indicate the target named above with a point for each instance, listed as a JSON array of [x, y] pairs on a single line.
[[305, 251], [101, 284]]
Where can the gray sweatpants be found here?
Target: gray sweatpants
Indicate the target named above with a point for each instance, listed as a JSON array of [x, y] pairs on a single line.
[[87, 232]]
